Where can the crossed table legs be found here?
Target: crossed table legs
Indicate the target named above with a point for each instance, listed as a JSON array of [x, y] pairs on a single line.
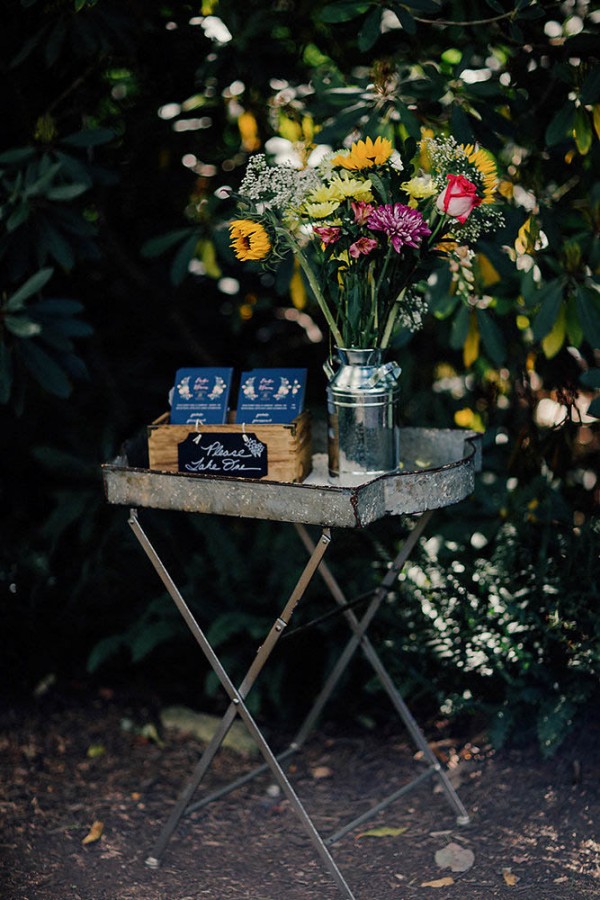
[[237, 696]]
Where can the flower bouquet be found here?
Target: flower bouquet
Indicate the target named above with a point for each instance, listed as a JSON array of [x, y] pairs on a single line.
[[368, 227]]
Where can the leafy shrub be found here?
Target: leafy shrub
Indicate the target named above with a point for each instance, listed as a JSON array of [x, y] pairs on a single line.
[[512, 629]]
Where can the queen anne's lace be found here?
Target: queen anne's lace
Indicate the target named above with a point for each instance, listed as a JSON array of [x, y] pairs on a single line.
[[277, 187]]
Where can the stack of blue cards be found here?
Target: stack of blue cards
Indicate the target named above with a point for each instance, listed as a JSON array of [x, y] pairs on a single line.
[[271, 396], [201, 396]]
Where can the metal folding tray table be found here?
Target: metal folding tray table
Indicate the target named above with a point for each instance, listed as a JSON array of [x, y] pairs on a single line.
[[437, 469]]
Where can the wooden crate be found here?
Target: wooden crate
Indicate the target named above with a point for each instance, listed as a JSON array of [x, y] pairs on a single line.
[[289, 447]]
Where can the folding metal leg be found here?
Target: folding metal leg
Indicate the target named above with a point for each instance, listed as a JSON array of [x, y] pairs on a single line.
[[360, 638], [237, 706]]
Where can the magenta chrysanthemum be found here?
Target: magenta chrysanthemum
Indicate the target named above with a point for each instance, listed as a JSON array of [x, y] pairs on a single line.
[[404, 226]]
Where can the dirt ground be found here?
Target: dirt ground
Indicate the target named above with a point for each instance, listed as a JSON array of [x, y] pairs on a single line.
[[88, 779]]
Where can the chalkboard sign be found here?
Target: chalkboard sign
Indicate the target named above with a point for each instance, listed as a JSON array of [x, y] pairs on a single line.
[[237, 455]]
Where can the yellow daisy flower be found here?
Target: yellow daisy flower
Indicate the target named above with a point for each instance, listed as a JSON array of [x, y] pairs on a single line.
[[321, 210], [323, 194], [418, 188], [345, 187], [249, 240], [484, 163], [365, 154]]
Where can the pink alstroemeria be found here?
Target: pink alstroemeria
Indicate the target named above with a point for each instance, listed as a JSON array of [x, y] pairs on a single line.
[[361, 211], [362, 247], [329, 234], [459, 199]]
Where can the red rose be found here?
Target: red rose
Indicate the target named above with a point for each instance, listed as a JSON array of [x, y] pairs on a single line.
[[459, 199]]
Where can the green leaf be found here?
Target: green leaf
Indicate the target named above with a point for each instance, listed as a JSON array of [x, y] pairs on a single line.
[[552, 295], [426, 6], [500, 726], [461, 127], [561, 125], [582, 130], [460, 328], [31, 286], [552, 721], [591, 378], [404, 17], [492, 337], [47, 372], [6, 373], [22, 326], [590, 89], [91, 137], [572, 323], [342, 11], [19, 154], [370, 31], [66, 191], [71, 328], [20, 215], [379, 186], [61, 463], [47, 172], [156, 246], [56, 244], [152, 636], [56, 307], [383, 831], [180, 266], [529, 289], [103, 650], [588, 309]]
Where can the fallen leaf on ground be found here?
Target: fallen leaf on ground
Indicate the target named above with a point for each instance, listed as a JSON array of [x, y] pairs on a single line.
[[95, 750], [439, 882], [95, 832], [455, 857], [382, 832], [150, 732], [509, 878], [321, 772]]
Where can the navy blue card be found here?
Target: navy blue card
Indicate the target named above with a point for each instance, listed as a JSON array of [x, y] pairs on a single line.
[[271, 396], [201, 395]]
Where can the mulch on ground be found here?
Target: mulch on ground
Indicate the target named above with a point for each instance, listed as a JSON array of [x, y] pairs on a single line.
[[86, 784]]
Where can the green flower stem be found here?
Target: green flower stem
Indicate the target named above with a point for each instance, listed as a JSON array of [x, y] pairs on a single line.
[[316, 289], [391, 319], [386, 261]]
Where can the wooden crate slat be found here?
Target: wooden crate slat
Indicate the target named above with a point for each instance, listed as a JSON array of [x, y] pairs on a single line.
[[289, 447]]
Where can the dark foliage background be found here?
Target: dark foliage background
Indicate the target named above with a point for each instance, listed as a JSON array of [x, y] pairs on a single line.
[[120, 121]]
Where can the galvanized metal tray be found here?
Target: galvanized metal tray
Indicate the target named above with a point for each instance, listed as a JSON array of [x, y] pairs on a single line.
[[437, 469]]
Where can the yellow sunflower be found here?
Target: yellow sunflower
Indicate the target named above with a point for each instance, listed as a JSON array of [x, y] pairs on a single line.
[[485, 165], [365, 154], [249, 239]]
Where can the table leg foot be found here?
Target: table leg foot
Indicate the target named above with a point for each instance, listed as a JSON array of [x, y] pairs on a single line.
[[463, 820], [152, 862]]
